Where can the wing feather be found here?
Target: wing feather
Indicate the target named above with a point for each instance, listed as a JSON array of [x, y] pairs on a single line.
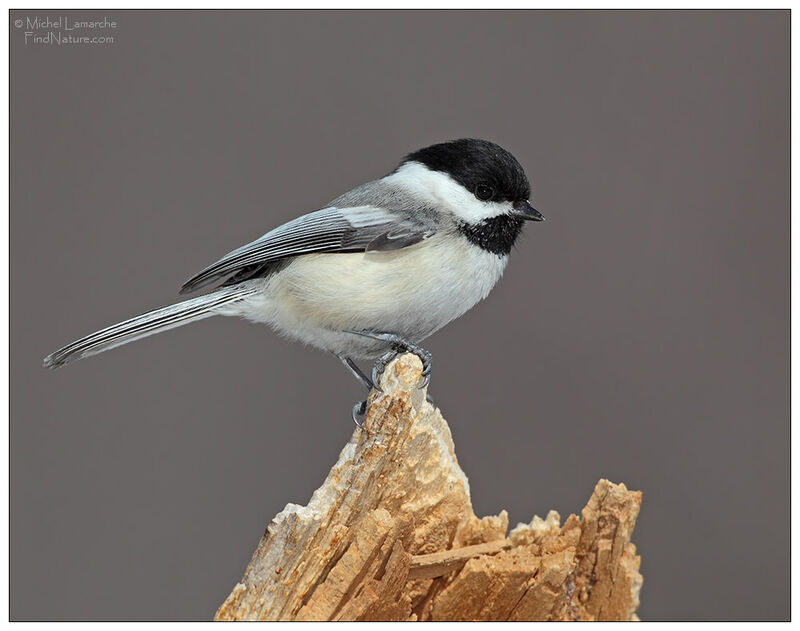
[[332, 229]]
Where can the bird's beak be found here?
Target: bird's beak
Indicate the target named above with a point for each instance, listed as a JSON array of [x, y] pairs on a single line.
[[524, 210]]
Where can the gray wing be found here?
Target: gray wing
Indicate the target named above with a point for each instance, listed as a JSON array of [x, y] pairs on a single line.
[[353, 229]]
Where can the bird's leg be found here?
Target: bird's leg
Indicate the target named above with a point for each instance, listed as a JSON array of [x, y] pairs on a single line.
[[356, 371], [360, 408], [397, 345]]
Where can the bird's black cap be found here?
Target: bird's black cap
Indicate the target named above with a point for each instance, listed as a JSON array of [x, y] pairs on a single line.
[[473, 162]]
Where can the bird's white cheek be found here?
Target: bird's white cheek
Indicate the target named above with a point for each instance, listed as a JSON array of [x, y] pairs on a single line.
[[445, 192], [472, 210]]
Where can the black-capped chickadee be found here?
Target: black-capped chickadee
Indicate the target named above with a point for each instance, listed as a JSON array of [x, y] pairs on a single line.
[[371, 274]]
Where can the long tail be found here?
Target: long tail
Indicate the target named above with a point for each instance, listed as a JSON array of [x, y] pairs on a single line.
[[147, 324]]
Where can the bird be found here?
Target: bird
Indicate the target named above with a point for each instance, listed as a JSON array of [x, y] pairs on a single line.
[[369, 275]]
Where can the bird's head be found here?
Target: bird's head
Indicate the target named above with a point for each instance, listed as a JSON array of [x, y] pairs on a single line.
[[480, 183]]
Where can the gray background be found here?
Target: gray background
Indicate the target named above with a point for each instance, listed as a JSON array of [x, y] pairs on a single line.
[[641, 333]]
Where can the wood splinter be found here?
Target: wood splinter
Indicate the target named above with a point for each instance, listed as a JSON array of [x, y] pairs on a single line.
[[440, 563]]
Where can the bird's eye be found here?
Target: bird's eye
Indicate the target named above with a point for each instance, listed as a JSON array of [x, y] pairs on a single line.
[[484, 192]]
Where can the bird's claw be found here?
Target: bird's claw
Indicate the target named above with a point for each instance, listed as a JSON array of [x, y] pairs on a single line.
[[380, 366], [359, 411], [427, 366], [377, 371], [426, 370]]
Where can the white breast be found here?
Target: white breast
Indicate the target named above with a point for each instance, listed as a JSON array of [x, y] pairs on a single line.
[[412, 292]]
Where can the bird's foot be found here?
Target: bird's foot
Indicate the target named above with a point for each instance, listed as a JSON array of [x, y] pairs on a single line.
[[398, 345]]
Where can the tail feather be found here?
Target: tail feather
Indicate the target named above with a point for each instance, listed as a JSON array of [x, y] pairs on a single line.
[[146, 324]]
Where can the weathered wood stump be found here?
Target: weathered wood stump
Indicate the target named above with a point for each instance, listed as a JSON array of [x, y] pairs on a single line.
[[391, 535]]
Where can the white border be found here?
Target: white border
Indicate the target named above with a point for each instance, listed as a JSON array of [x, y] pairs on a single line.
[[505, 4]]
